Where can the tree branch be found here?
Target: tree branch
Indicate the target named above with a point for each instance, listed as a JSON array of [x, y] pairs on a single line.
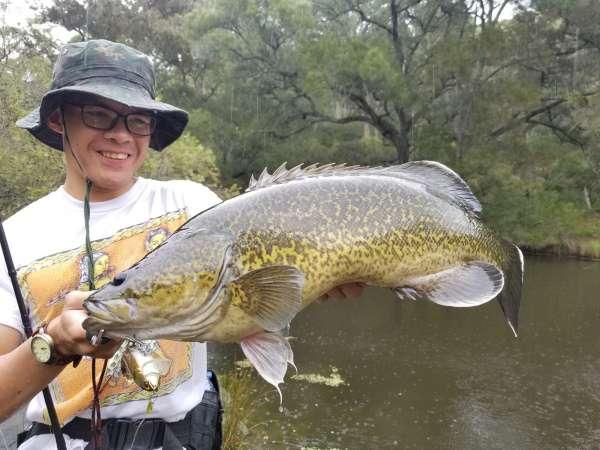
[[352, 7], [500, 9], [521, 117], [559, 132]]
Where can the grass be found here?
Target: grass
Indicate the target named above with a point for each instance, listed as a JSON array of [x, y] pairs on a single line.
[[240, 396]]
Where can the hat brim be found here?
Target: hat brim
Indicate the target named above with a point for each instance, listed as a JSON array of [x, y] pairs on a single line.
[[171, 121]]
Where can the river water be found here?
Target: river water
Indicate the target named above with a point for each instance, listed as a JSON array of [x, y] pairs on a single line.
[[420, 376]]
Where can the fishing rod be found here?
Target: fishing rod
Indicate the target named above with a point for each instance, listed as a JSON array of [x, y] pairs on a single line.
[[55, 424]]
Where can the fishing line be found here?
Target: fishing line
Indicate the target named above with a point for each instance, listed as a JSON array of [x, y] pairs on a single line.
[[4, 440], [136, 432], [137, 429]]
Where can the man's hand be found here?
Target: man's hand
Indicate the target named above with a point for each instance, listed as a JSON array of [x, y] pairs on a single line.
[[68, 334], [348, 290]]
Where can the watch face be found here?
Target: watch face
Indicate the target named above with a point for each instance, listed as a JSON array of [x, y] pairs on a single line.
[[41, 349]]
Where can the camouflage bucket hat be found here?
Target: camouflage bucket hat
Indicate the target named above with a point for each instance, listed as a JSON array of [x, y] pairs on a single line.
[[109, 70]]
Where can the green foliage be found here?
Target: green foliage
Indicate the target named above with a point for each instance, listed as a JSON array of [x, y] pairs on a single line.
[[512, 105], [29, 169], [537, 205], [240, 396], [186, 159]]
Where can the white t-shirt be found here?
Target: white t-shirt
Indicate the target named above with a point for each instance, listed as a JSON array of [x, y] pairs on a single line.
[[47, 240]]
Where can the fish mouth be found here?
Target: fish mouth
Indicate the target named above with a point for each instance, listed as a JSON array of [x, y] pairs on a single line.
[[111, 312]]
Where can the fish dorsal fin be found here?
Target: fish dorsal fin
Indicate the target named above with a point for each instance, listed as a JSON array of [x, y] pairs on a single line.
[[470, 284], [439, 180], [284, 175], [271, 295], [270, 354]]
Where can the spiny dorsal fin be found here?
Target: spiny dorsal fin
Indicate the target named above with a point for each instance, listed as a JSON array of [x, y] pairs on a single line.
[[438, 179], [283, 175]]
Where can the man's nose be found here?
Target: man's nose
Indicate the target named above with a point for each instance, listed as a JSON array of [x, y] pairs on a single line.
[[119, 132]]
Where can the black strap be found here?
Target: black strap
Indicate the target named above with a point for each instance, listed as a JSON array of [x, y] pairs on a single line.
[[200, 428]]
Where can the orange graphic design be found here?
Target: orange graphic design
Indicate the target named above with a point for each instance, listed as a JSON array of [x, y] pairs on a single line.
[[46, 281]]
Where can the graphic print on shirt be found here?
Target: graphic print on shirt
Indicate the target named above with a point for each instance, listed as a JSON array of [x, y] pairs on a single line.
[[46, 281], [103, 271]]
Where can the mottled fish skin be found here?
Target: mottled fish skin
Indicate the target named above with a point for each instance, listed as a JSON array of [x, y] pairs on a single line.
[[343, 229], [339, 227]]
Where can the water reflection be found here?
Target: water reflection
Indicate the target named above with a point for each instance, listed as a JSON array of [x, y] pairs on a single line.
[[419, 376]]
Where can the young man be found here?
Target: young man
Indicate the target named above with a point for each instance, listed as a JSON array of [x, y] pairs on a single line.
[[102, 114]]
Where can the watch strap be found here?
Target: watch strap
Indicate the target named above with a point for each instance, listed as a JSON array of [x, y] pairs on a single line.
[[56, 359]]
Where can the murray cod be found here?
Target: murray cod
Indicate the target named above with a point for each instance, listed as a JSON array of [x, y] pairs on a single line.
[[240, 271]]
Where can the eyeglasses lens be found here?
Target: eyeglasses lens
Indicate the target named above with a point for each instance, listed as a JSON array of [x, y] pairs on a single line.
[[105, 119]]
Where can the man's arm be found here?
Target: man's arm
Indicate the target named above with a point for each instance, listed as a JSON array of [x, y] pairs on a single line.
[[22, 376]]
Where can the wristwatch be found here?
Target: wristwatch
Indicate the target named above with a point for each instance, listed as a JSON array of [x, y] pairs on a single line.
[[44, 351]]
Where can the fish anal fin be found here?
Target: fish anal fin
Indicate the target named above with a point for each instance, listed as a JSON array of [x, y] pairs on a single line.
[[470, 284], [270, 354], [271, 295]]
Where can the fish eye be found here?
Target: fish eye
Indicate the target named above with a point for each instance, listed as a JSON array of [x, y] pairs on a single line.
[[119, 279]]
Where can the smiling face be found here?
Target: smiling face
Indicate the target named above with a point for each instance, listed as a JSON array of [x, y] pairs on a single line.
[[109, 158]]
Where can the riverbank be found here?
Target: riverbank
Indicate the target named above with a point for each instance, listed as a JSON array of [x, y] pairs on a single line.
[[588, 248]]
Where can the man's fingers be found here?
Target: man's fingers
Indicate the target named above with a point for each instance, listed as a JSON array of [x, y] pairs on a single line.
[[348, 290], [103, 351], [75, 299], [336, 292], [351, 289]]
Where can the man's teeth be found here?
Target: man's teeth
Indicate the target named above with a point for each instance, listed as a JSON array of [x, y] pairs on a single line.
[[114, 155]]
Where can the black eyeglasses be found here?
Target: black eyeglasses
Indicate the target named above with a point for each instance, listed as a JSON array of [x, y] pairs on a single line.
[[102, 118]]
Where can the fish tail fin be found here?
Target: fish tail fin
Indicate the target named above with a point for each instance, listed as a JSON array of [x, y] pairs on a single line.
[[510, 297]]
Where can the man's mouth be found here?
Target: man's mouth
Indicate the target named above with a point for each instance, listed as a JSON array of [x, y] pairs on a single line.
[[114, 155]]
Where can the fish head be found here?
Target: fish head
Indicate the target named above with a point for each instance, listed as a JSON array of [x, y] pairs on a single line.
[[166, 291]]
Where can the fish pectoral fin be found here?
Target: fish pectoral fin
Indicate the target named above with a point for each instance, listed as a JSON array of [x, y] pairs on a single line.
[[272, 295], [470, 284], [269, 353]]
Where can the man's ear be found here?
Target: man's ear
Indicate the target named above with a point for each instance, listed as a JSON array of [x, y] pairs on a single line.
[[55, 121]]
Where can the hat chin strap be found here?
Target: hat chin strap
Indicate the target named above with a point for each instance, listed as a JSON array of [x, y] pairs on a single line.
[[66, 134], [96, 415]]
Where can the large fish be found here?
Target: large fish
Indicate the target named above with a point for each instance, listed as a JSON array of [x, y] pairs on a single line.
[[240, 271]]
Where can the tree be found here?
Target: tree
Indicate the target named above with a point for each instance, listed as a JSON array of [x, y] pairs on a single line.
[[390, 65], [24, 76]]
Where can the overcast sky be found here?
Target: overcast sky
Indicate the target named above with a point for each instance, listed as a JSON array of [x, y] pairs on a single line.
[[16, 13]]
